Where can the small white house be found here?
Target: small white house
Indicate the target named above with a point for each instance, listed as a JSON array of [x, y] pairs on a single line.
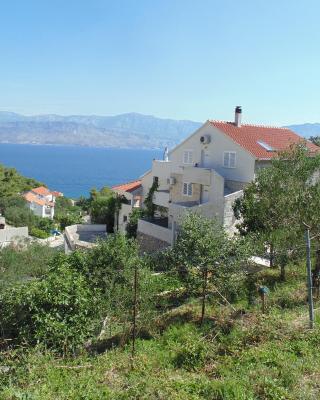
[[41, 201]]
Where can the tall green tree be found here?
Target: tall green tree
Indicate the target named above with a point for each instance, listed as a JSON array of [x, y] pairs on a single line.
[[282, 198]]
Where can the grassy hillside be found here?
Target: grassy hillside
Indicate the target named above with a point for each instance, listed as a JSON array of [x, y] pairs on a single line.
[[238, 353]]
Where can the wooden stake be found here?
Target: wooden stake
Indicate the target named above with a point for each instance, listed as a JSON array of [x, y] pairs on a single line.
[[134, 310], [204, 289], [309, 280]]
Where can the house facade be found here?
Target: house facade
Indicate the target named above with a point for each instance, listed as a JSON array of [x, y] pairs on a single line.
[[131, 194], [206, 173], [41, 201]]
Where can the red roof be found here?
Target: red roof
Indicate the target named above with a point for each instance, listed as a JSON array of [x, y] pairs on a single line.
[[41, 190], [249, 136], [32, 198], [57, 194], [128, 187]]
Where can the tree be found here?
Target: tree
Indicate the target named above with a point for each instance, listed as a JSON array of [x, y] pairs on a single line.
[[280, 200], [204, 256], [150, 207], [66, 213], [132, 225]]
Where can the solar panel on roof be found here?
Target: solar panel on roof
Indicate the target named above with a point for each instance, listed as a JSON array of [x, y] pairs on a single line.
[[265, 145]]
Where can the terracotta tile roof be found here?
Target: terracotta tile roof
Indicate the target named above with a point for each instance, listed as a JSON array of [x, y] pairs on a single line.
[[41, 190], [33, 198], [249, 136], [128, 187], [56, 194]]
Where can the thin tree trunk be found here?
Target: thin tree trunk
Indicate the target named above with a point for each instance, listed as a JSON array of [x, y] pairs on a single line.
[[204, 289], [282, 272], [271, 255], [316, 274], [134, 311]]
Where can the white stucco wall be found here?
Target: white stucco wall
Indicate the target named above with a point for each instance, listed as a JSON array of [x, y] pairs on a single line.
[[146, 182], [214, 151]]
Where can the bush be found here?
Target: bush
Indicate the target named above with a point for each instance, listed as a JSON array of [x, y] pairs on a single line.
[[20, 216], [24, 264], [56, 311], [39, 233]]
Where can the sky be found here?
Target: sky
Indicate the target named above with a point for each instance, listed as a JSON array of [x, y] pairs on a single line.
[[181, 59]]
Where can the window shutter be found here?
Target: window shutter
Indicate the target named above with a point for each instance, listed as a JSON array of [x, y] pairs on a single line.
[[187, 157], [190, 189], [226, 159], [232, 160], [185, 188]]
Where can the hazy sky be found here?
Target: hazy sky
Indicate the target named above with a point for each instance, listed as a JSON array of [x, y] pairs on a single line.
[[169, 58]]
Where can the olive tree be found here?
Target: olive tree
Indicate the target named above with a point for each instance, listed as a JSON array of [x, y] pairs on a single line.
[[204, 255]]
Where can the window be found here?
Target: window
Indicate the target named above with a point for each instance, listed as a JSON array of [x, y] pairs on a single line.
[[187, 157], [156, 179], [265, 145], [125, 218], [187, 189], [229, 159]]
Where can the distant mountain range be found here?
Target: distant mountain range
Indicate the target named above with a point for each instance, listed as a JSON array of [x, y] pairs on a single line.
[[130, 130]]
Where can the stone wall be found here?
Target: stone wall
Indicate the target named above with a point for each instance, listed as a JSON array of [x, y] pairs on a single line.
[[234, 186], [176, 195], [149, 244], [11, 234], [229, 220]]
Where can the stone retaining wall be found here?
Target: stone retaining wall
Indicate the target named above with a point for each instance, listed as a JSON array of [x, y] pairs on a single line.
[[149, 244]]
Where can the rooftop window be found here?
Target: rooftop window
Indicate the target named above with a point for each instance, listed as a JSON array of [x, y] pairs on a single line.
[[265, 145]]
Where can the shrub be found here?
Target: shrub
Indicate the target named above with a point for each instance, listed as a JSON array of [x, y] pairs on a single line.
[[56, 311], [39, 233]]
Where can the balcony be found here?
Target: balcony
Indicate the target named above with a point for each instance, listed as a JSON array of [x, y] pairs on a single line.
[[161, 198], [161, 168], [156, 228], [197, 175]]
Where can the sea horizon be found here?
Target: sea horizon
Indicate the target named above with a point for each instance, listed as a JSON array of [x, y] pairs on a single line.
[[74, 169]]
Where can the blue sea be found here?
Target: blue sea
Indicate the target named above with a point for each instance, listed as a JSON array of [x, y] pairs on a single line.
[[74, 170]]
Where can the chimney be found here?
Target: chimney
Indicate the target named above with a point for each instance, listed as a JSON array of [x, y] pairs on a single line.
[[237, 116]]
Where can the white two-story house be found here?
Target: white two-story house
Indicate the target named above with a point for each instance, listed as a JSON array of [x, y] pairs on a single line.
[[206, 173], [41, 201]]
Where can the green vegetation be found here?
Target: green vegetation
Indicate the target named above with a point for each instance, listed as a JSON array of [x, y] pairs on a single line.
[[231, 356], [102, 206], [21, 264], [186, 323], [14, 207], [66, 213], [277, 217]]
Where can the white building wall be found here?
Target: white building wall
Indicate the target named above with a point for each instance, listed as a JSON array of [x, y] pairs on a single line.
[[211, 155]]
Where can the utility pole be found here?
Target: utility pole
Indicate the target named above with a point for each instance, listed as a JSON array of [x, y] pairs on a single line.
[[309, 279]]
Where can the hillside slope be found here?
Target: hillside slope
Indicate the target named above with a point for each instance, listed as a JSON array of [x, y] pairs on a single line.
[[233, 356]]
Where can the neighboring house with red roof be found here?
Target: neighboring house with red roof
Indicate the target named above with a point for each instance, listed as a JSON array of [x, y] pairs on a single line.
[[41, 201], [208, 170], [131, 198]]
